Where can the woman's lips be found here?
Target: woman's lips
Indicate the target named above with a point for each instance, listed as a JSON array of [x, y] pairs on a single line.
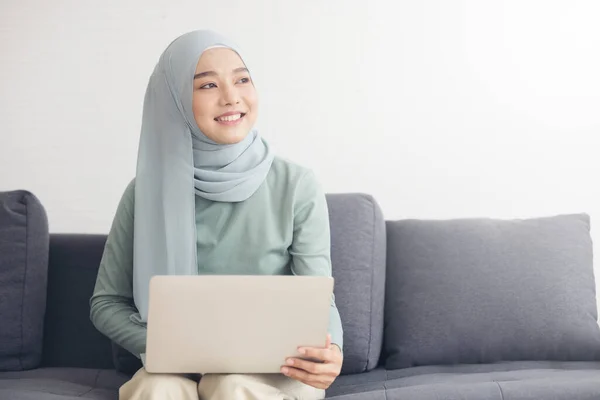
[[230, 119]]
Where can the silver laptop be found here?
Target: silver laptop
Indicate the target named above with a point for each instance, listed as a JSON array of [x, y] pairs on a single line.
[[234, 324]]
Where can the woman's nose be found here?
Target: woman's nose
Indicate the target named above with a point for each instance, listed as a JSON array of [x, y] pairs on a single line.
[[230, 96]]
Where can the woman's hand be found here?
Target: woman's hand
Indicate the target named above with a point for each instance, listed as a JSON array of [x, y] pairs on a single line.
[[317, 374]]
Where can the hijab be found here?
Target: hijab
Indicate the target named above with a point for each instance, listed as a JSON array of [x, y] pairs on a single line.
[[177, 162]]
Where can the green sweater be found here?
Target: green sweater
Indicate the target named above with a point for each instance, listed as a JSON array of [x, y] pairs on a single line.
[[282, 229]]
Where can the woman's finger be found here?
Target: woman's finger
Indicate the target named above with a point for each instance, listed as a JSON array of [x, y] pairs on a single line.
[[325, 355], [298, 374], [311, 367], [320, 381], [328, 341]]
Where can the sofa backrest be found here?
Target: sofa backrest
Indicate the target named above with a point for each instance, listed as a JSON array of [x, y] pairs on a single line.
[[70, 339]]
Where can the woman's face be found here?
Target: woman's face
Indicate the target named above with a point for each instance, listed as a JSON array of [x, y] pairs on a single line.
[[224, 100]]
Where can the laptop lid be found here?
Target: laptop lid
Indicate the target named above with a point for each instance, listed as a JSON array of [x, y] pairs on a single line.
[[232, 323]]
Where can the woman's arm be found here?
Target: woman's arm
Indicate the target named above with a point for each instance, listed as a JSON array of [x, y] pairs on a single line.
[[310, 250], [111, 305]]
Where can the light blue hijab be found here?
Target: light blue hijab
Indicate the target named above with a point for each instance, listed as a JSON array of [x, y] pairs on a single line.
[[177, 162]]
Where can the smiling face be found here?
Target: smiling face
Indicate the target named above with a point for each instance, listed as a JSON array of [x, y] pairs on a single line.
[[224, 100]]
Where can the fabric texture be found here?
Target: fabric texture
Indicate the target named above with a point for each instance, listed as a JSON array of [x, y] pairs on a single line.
[[23, 278], [177, 162], [70, 338], [358, 257], [256, 387], [146, 386], [483, 290]]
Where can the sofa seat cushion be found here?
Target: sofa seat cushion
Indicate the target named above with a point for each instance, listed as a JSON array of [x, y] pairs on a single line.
[[518, 380], [61, 383]]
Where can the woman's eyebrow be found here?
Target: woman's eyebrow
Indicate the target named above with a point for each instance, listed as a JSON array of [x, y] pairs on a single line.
[[213, 73]]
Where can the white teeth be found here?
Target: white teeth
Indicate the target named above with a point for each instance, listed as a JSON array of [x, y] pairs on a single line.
[[230, 118]]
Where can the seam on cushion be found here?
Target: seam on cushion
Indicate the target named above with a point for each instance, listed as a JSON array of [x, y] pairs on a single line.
[[372, 280], [24, 279], [40, 391], [84, 393], [94, 386], [385, 388], [97, 377], [46, 391], [500, 388]]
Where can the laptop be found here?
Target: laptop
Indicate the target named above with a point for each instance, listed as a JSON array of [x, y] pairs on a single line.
[[234, 324]]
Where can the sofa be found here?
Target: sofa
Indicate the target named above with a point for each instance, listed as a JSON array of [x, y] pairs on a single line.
[[470, 309]]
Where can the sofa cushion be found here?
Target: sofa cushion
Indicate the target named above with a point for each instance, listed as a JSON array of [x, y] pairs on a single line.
[[550, 389], [475, 391], [483, 290], [516, 380], [358, 262], [61, 384], [23, 276]]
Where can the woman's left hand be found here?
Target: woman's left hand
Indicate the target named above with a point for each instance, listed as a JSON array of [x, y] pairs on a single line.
[[317, 374]]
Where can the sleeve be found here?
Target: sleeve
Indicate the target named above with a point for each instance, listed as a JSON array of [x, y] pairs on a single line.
[[311, 244], [111, 305]]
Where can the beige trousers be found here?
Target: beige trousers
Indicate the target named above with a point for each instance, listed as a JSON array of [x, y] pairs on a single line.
[[146, 386]]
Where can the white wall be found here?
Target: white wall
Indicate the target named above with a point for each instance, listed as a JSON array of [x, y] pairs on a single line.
[[440, 109]]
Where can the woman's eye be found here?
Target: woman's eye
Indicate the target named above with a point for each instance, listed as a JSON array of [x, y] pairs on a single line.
[[208, 86], [244, 80]]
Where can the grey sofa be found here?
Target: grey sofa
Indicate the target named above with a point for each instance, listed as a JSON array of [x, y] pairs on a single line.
[[466, 309]]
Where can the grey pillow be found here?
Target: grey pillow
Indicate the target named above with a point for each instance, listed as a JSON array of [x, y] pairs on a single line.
[[23, 277], [358, 262], [483, 290]]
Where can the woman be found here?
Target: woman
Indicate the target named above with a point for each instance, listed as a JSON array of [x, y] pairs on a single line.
[[209, 197]]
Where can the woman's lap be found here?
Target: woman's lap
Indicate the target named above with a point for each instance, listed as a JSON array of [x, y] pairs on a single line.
[[146, 386]]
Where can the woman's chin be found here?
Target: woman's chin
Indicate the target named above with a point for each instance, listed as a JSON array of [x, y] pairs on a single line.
[[230, 136]]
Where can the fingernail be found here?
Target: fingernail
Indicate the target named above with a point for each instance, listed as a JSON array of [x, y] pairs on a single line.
[[301, 351], [290, 361], [285, 370]]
